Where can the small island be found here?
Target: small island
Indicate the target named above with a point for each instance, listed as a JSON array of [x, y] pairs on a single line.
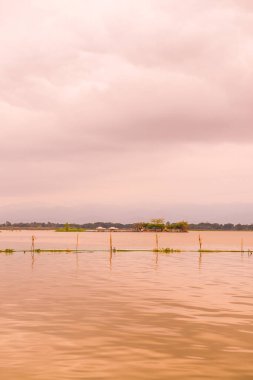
[[68, 228], [159, 225]]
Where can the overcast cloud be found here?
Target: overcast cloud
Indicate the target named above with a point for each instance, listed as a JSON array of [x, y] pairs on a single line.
[[126, 110]]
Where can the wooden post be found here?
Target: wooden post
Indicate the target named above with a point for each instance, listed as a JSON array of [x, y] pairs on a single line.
[[77, 241], [32, 250], [33, 245], [110, 242], [157, 242], [242, 248], [200, 243]]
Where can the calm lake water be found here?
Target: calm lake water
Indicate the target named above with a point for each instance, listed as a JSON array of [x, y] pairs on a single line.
[[133, 315]]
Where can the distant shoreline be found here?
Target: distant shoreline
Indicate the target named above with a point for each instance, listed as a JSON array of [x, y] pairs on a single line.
[[155, 225], [120, 230]]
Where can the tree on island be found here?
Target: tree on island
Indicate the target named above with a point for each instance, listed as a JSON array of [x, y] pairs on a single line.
[[156, 225], [153, 225], [139, 226], [68, 228], [159, 225], [182, 226]]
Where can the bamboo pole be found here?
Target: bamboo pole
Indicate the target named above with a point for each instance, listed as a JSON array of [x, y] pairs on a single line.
[[33, 245], [200, 243], [32, 250], [157, 242], [111, 242], [77, 241]]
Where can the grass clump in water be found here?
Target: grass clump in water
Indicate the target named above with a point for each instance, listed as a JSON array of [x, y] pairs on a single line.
[[166, 250], [54, 250], [7, 251]]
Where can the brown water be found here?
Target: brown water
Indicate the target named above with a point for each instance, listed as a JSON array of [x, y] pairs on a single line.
[[132, 315], [100, 240]]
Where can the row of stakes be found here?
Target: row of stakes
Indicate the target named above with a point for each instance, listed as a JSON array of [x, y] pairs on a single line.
[[77, 243], [113, 249]]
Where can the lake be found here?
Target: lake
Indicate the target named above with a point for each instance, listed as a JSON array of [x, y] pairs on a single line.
[[130, 315]]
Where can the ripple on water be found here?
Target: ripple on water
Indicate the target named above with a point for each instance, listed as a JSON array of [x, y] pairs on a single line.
[[126, 317]]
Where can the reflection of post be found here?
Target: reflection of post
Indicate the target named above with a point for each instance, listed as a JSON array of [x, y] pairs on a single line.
[[200, 260], [110, 242], [110, 259], [77, 261], [157, 242], [33, 260]]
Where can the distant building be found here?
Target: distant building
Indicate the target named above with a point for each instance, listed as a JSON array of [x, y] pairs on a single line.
[[100, 229], [113, 229]]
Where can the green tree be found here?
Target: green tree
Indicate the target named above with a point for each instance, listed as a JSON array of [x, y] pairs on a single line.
[[66, 227], [181, 226], [157, 221], [156, 225], [139, 226]]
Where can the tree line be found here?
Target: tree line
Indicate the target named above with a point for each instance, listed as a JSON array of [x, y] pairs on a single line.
[[153, 225], [220, 227]]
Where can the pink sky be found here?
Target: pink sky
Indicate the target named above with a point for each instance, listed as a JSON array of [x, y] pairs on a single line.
[[125, 110]]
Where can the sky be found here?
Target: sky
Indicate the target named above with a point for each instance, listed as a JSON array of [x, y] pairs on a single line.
[[126, 110]]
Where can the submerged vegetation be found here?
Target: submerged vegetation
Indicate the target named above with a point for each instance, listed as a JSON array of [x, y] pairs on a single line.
[[53, 250], [167, 250], [7, 251]]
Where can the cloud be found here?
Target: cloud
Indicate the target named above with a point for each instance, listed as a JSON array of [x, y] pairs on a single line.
[[93, 94]]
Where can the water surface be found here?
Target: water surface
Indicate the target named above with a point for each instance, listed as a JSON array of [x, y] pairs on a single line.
[[130, 315], [126, 240]]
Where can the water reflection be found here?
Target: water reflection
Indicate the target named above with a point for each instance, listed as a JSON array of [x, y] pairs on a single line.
[[33, 259], [155, 316], [110, 258], [77, 260], [200, 260]]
